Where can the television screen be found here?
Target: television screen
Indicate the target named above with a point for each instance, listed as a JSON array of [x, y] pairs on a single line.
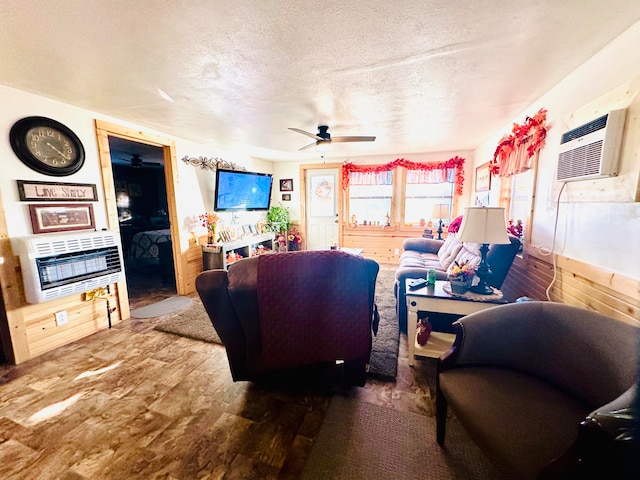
[[236, 190]]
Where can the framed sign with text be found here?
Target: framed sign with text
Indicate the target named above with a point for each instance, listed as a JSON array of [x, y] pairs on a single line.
[[30, 191]]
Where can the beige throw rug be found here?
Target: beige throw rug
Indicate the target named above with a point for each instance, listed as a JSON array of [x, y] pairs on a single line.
[[362, 440], [163, 307]]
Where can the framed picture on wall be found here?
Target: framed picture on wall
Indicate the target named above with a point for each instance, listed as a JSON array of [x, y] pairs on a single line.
[[286, 185], [483, 178], [61, 218], [286, 197]]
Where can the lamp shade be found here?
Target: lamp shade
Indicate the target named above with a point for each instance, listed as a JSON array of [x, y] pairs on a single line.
[[483, 225], [440, 210]]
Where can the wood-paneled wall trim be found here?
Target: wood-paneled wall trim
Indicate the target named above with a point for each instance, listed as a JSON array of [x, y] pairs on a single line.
[[576, 283], [625, 285]]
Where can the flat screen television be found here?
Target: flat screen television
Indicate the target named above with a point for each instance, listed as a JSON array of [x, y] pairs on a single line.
[[236, 190]]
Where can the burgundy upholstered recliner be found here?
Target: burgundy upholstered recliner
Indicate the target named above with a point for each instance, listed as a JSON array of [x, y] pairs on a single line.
[[287, 312]]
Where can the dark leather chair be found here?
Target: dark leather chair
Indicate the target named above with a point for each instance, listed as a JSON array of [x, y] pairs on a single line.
[[283, 313], [546, 390]]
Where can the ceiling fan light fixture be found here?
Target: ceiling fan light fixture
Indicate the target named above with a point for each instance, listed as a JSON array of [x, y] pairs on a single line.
[[323, 146]]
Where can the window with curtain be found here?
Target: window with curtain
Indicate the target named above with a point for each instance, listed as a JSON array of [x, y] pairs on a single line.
[[370, 197], [425, 189]]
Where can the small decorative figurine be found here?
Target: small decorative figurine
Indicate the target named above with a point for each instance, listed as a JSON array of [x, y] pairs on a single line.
[[424, 331]]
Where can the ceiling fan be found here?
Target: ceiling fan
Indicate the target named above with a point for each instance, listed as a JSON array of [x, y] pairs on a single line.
[[136, 161], [323, 137]]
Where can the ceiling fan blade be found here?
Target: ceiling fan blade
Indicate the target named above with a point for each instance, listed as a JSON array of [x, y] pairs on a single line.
[[312, 135], [352, 139], [308, 146]]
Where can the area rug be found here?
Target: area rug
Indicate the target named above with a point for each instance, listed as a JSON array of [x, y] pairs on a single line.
[[163, 307], [192, 323], [362, 440], [195, 323]]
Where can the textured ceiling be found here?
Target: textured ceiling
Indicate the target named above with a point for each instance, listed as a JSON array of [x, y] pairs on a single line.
[[422, 76]]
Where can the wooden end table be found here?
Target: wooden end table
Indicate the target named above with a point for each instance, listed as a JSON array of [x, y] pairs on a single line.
[[439, 299]]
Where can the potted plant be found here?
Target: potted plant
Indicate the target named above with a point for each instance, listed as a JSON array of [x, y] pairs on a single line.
[[278, 219]]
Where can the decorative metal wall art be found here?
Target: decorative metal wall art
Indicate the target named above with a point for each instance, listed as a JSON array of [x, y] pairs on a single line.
[[212, 163]]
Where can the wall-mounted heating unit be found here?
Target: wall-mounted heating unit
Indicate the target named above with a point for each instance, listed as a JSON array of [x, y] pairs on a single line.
[[591, 150], [59, 264]]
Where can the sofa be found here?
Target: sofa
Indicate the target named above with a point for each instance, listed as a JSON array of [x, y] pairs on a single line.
[[546, 390], [423, 254], [289, 315]]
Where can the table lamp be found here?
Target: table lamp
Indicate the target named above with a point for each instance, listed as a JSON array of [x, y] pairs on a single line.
[[485, 225], [440, 211]]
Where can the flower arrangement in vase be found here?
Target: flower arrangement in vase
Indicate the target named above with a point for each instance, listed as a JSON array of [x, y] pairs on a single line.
[[295, 239], [210, 222], [461, 276]]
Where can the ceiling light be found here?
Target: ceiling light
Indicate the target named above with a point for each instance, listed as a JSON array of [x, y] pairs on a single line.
[[323, 146]]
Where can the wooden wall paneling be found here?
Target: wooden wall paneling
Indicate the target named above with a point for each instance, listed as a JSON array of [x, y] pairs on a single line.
[[575, 290], [577, 283], [193, 259], [12, 327], [85, 317], [615, 281]]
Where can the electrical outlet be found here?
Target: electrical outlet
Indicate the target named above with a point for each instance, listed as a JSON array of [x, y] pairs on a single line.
[[396, 251], [62, 318]]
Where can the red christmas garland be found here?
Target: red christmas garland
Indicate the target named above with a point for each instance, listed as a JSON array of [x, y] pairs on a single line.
[[455, 162], [534, 130]]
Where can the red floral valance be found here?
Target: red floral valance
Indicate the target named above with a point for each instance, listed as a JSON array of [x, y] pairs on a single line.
[[513, 153], [456, 163]]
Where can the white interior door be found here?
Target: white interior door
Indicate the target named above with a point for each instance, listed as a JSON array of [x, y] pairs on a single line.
[[322, 207]]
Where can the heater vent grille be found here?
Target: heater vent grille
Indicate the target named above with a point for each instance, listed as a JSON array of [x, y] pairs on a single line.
[[57, 265]]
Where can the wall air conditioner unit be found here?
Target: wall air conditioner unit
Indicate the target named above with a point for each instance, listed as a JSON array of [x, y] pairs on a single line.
[[59, 264], [591, 150]]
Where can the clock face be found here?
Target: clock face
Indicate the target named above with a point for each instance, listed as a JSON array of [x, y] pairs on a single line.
[[47, 146]]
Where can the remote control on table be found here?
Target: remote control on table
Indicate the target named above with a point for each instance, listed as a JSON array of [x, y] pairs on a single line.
[[417, 283]]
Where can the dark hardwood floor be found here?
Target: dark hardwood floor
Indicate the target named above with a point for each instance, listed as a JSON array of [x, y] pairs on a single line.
[[133, 402]]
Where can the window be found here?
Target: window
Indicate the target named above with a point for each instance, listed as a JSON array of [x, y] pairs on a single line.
[[517, 196], [423, 190], [521, 192], [370, 197]]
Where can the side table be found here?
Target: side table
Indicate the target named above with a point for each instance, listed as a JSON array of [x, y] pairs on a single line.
[[439, 299]]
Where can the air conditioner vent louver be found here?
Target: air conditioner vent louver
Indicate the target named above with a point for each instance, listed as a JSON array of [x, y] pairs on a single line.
[[591, 150], [586, 129]]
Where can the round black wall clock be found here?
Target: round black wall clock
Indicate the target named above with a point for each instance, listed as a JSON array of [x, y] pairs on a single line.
[[47, 146]]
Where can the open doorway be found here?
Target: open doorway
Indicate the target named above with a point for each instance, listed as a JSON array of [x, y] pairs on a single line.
[[104, 130], [142, 206]]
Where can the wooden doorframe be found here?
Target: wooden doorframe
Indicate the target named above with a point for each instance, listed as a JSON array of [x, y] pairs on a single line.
[[303, 195], [103, 131]]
